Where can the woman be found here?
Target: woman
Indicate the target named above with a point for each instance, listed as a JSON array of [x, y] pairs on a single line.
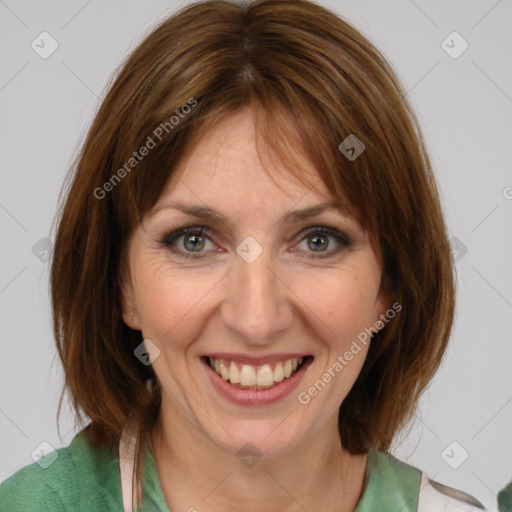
[[252, 283]]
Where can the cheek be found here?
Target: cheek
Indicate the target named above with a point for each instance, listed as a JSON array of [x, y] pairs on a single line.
[[171, 303], [339, 307], [340, 303]]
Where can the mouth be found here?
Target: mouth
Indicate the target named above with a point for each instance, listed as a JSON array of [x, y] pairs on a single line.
[[248, 383], [256, 377]]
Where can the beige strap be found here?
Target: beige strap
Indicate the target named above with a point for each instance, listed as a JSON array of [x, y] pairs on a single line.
[[436, 497], [126, 467]]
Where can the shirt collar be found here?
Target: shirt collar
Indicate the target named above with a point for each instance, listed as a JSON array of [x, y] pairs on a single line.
[[390, 485]]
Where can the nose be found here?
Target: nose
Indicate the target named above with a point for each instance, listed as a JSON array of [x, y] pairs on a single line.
[[257, 307]]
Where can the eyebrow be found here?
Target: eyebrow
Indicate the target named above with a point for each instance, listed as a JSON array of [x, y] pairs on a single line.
[[205, 213]]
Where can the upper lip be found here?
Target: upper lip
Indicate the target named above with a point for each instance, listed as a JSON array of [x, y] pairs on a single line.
[[254, 360]]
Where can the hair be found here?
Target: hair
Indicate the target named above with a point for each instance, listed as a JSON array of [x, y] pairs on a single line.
[[311, 80]]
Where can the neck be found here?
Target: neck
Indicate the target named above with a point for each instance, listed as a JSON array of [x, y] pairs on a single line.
[[317, 474]]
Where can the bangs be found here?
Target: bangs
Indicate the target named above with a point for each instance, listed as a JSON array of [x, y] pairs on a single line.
[[293, 142]]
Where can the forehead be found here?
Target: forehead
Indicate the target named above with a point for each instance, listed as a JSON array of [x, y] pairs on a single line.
[[226, 165]]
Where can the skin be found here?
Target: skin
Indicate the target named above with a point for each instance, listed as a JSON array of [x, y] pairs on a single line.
[[281, 302]]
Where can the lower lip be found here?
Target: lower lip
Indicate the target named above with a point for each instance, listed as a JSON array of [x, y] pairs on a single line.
[[254, 396]]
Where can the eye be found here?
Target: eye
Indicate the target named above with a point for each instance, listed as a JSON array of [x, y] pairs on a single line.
[[192, 242], [319, 239], [186, 241]]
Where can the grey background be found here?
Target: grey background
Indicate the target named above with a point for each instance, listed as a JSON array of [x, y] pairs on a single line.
[[464, 105]]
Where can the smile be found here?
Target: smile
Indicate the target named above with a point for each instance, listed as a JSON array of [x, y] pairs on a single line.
[[257, 383], [247, 376]]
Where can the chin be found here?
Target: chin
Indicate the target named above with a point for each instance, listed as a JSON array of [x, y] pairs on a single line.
[[257, 439]]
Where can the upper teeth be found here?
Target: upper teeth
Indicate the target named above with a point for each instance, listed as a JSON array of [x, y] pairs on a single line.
[[247, 375]]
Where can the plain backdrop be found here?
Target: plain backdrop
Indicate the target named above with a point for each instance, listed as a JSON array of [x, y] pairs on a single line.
[[462, 435]]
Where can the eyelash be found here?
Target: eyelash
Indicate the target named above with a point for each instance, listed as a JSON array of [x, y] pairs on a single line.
[[344, 241]]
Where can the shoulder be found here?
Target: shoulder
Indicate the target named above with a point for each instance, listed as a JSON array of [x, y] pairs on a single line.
[[396, 485], [80, 476], [505, 498], [437, 497]]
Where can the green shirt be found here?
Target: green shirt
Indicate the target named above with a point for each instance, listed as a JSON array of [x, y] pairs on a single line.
[[86, 478]]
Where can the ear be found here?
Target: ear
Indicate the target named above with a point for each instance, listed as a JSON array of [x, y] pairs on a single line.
[[382, 306], [127, 300], [384, 301]]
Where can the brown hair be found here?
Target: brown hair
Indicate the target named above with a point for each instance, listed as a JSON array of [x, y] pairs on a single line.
[[312, 80]]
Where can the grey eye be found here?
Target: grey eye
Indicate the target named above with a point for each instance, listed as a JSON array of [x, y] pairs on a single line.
[[193, 243], [320, 242]]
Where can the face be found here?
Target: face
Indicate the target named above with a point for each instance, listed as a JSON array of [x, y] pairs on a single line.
[[270, 298]]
